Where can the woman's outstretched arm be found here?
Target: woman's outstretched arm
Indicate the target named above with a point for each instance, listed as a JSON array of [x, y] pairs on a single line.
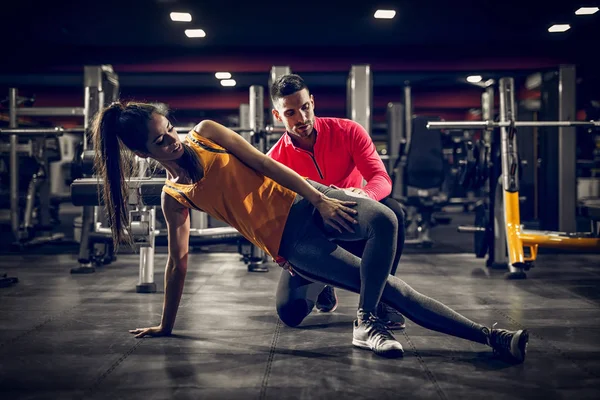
[[178, 231]]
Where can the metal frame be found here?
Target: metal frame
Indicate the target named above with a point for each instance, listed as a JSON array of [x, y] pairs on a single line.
[[101, 86], [567, 150], [517, 238], [256, 258], [408, 115], [40, 181], [360, 95], [395, 114]]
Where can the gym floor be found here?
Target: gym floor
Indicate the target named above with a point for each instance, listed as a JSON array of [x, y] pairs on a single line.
[[65, 336]]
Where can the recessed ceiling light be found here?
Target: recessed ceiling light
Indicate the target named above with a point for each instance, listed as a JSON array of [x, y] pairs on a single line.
[[385, 14], [228, 82], [559, 28], [586, 11], [222, 75], [474, 78], [181, 17], [194, 33]]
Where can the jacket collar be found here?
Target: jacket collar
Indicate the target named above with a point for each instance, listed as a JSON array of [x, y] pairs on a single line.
[[287, 139]]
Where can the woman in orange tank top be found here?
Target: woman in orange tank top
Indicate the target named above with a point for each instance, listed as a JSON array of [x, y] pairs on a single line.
[[291, 218]]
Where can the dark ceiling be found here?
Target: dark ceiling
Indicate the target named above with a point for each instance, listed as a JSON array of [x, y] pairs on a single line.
[[431, 43], [481, 27]]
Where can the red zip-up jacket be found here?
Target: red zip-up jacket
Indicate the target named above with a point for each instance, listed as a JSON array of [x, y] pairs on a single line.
[[343, 155]]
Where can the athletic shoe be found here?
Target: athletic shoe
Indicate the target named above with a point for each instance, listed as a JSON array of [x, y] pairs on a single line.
[[509, 345], [390, 316], [327, 300], [372, 334]]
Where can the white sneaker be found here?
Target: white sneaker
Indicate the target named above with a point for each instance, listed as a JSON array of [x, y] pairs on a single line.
[[372, 334]]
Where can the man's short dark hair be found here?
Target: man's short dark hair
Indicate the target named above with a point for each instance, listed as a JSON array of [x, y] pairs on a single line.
[[286, 85]]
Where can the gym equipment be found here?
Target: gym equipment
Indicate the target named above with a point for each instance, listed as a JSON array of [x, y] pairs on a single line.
[[473, 168], [25, 230], [360, 95], [101, 87], [408, 163], [490, 125], [396, 145], [511, 239], [144, 195], [256, 258], [38, 147], [424, 177]]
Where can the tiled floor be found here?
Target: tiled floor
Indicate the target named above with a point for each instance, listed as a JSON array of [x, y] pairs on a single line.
[[65, 336]]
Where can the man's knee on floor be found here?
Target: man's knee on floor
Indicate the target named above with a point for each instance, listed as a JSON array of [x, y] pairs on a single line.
[[293, 312]]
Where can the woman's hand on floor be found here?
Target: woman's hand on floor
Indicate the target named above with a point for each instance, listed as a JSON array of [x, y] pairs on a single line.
[[152, 331]]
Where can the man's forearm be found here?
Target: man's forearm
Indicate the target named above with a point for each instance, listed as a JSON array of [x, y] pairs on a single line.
[[378, 187], [175, 273]]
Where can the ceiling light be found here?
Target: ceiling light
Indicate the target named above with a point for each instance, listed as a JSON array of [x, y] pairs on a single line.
[[474, 78], [228, 82], [586, 11], [559, 28], [385, 14], [181, 17], [194, 33], [222, 75]]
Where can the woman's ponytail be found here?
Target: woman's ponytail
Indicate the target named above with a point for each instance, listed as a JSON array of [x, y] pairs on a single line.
[[109, 166]]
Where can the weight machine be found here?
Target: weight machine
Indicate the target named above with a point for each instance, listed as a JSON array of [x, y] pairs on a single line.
[[501, 234], [33, 147], [31, 207]]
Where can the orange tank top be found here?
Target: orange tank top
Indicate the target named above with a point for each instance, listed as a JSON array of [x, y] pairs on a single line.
[[253, 204]]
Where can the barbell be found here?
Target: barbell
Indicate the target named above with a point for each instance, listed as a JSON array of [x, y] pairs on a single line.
[[488, 125]]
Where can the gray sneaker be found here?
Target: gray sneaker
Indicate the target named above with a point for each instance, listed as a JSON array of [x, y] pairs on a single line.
[[390, 317], [509, 345], [372, 334]]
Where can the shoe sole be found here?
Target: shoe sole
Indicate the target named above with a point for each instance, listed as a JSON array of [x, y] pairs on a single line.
[[518, 348], [394, 325], [394, 353]]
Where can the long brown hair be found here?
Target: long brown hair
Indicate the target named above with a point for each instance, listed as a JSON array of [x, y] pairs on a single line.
[[117, 128]]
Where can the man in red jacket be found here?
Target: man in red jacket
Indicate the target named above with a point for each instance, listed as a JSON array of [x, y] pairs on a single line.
[[334, 152]]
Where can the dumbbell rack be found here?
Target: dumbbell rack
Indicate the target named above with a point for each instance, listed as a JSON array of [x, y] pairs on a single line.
[[511, 239]]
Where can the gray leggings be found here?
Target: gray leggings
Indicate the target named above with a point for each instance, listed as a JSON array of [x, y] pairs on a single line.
[[307, 245]]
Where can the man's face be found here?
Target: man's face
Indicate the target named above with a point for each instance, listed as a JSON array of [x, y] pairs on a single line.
[[297, 112]]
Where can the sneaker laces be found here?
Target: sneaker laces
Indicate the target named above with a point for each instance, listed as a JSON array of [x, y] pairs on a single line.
[[500, 339], [377, 330]]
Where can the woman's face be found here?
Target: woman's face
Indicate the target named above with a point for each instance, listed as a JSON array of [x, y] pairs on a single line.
[[163, 143]]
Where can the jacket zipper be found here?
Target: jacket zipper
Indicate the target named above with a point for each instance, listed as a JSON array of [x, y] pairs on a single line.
[[316, 165], [314, 161]]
